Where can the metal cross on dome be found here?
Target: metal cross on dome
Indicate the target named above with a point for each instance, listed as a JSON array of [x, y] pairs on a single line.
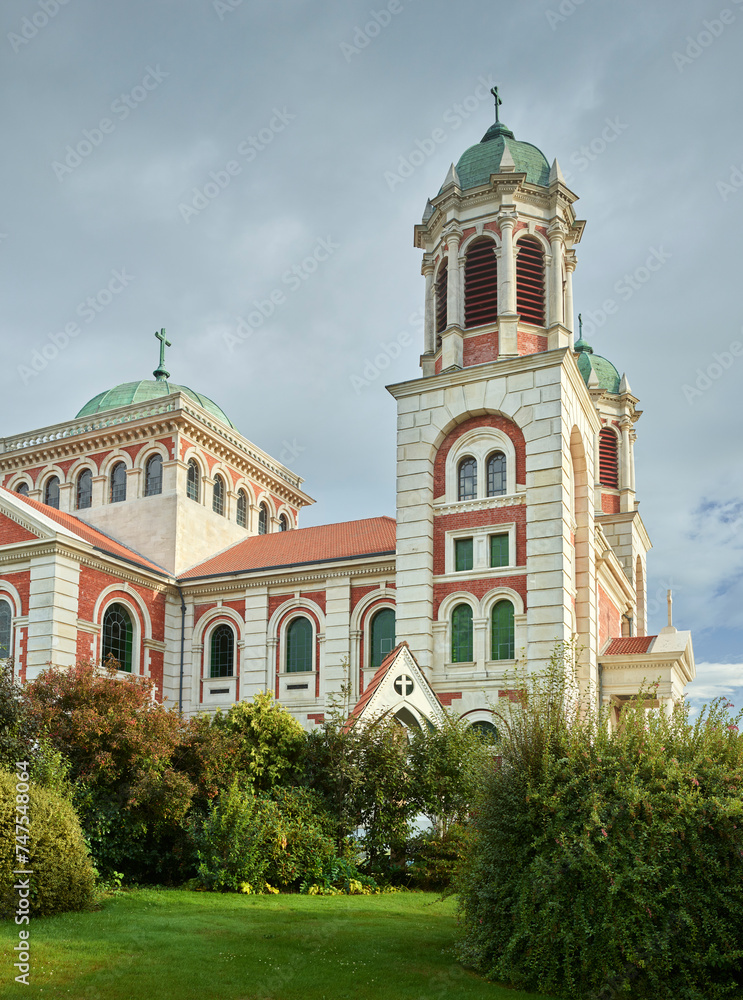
[[161, 373], [498, 103]]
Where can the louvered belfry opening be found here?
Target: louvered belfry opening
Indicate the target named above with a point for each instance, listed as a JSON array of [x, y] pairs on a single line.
[[530, 281], [441, 293], [608, 459], [480, 284]]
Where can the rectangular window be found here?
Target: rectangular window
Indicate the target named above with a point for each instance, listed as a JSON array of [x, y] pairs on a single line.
[[499, 550], [463, 554]]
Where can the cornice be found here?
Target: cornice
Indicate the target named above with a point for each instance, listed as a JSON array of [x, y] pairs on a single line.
[[265, 580], [482, 503]]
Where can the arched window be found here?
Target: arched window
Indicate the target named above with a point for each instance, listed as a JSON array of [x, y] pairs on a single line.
[[84, 490], [6, 621], [486, 730], [467, 479], [530, 281], [116, 640], [22, 489], [262, 519], [299, 646], [51, 492], [193, 479], [496, 474], [608, 459], [153, 476], [382, 635], [502, 636], [222, 652], [218, 495], [480, 284], [118, 483], [441, 293], [242, 509], [461, 634], [283, 523]]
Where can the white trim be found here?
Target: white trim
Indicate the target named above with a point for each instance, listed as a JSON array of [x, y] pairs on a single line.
[[479, 443], [138, 668], [481, 550], [216, 617]]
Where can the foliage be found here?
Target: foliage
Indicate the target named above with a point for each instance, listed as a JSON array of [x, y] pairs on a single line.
[[265, 742], [120, 744], [435, 858], [337, 877], [609, 864], [249, 839], [54, 850]]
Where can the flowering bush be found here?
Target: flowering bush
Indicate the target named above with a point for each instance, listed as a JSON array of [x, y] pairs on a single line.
[[607, 864]]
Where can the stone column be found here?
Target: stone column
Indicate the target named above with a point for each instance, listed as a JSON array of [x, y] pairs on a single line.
[[454, 291], [427, 269], [555, 301], [507, 315], [627, 497], [570, 262]]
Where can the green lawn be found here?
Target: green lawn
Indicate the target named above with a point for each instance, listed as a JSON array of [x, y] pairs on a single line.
[[177, 945]]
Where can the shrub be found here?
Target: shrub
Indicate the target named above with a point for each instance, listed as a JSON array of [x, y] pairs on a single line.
[[603, 863], [249, 839], [434, 858], [63, 875]]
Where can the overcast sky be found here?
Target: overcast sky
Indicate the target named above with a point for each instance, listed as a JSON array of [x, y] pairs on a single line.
[[182, 163]]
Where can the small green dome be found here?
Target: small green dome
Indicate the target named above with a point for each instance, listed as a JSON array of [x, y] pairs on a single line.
[[606, 373], [145, 391], [478, 162]]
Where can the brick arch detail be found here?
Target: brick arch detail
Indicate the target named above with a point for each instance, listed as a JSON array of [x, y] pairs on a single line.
[[485, 420]]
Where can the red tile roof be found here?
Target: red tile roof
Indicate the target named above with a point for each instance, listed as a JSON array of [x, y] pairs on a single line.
[[100, 541], [374, 536], [629, 644]]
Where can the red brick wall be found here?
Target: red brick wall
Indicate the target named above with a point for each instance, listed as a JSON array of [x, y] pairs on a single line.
[[486, 420], [22, 582], [610, 619], [478, 588], [478, 350], [609, 503], [11, 532], [475, 519], [531, 343], [201, 609]]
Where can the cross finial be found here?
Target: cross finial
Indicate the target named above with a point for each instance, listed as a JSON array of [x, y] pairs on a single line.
[[161, 373], [580, 326], [498, 103]]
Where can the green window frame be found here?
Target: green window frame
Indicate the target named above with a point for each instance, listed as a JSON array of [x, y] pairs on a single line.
[[463, 554], [382, 635], [222, 652], [299, 637], [499, 555], [117, 636], [502, 631], [461, 634], [6, 629]]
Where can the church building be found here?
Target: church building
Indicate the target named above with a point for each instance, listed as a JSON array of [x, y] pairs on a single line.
[[148, 528]]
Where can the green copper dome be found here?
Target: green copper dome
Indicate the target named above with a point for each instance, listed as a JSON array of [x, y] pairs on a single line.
[[478, 162], [606, 373], [144, 392]]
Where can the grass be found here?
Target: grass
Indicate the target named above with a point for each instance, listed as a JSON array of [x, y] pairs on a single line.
[[176, 945]]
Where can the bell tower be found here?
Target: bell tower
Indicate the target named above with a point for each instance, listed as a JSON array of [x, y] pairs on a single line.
[[517, 524]]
